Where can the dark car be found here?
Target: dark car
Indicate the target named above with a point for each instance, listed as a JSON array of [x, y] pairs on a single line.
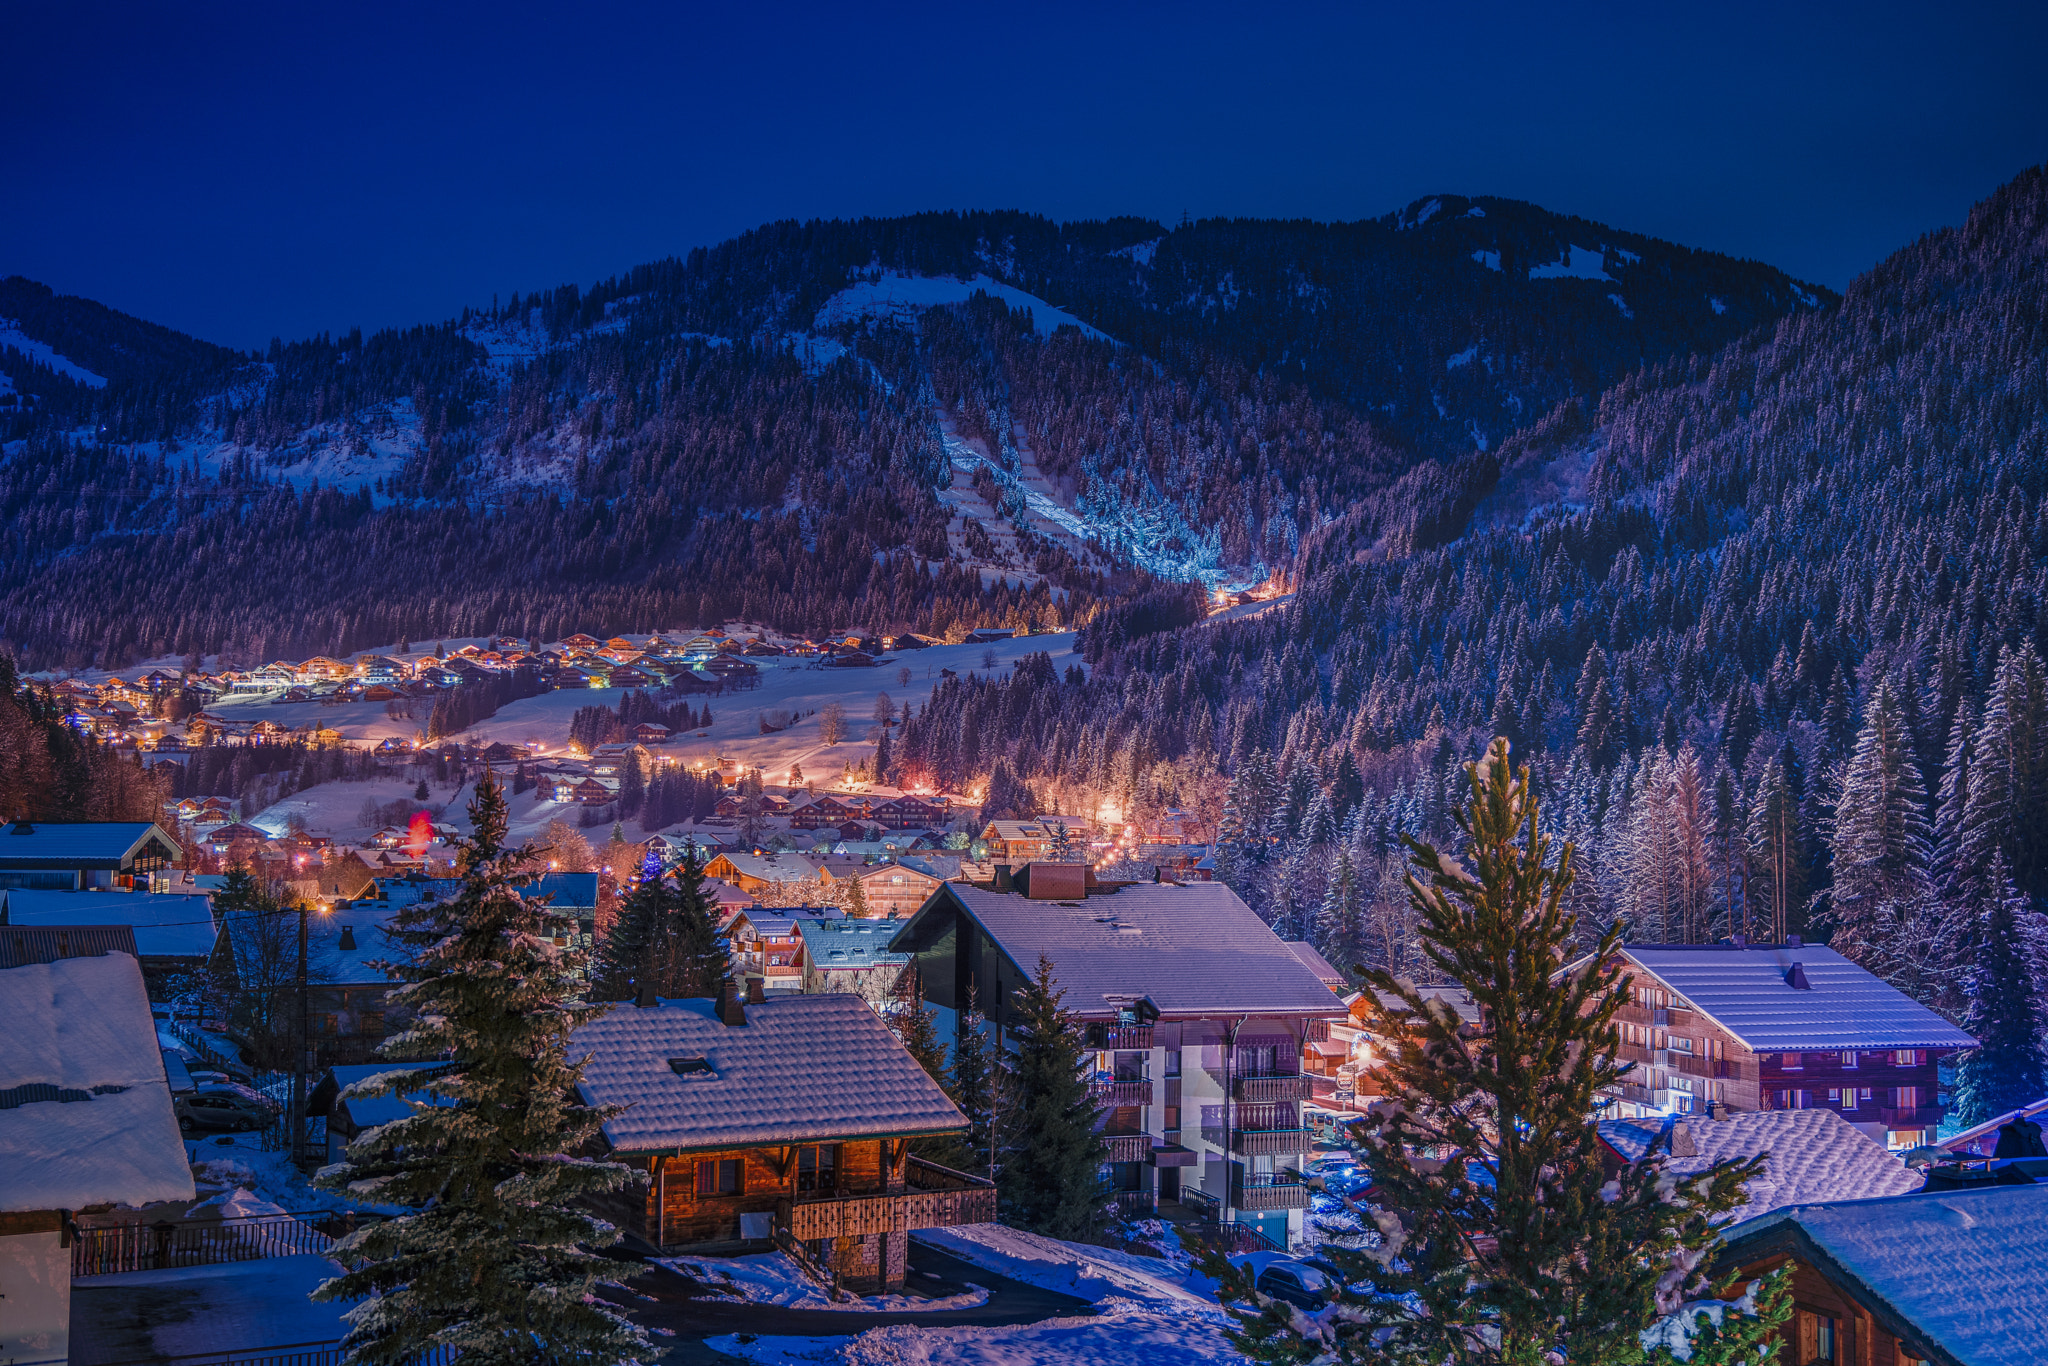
[[1296, 1283], [224, 1108]]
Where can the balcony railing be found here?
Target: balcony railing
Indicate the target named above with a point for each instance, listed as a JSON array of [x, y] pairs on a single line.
[[1271, 1142], [1133, 1204], [1274, 1088], [1121, 1092], [1915, 1117], [1119, 1036], [1694, 1065], [936, 1197], [1276, 1192], [1127, 1147], [1316, 1031]]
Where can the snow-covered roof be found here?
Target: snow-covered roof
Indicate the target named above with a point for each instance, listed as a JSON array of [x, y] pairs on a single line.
[[801, 1069], [85, 1109], [1317, 964], [76, 844], [1745, 991], [844, 944], [1810, 1154], [773, 867], [1195, 950], [1963, 1268], [165, 926], [368, 1112]]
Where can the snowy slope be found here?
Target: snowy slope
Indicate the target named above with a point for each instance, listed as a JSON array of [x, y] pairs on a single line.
[[902, 297], [12, 335]]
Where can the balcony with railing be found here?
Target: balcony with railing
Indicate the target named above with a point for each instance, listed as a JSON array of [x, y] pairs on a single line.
[[1119, 1036], [1126, 1147], [1272, 1086], [1316, 1031], [1271, 1142], [1263, 1190], [933, 1197], [1120, 1091], [1908, 1117]]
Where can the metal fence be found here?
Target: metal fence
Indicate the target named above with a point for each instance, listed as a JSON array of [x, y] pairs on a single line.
[[287, 1354], [105, 1250]]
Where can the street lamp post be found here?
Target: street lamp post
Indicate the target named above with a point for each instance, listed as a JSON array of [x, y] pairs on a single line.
[[305, 1045]]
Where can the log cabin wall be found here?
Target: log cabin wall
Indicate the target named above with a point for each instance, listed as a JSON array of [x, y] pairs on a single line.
[[1828, 1327], [673, 1214]]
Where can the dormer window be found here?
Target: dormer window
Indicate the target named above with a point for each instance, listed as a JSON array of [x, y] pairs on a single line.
[[690, 1067]]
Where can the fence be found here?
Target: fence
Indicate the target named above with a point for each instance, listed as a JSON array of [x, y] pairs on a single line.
[[288, 1354], [107, 1249]]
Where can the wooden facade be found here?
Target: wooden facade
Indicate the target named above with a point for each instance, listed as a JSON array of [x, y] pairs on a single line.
[[846, 1208], [1831, 1325]]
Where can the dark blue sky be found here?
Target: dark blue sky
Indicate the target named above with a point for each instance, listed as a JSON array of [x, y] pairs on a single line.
[[241, 172]]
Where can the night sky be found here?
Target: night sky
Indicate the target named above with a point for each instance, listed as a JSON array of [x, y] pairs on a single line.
[[244, 172]]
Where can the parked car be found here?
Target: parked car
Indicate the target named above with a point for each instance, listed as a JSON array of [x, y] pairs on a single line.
[[1320, 1171], [224, 1107], [1286, 1278]]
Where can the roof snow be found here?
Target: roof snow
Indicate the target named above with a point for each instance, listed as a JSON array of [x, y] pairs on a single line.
[[900, 296], [1489, 259], [85, 1109], [1745, 992], [1578, 263], [804, 1069], [1195, 950], [165, 926], [1962, 1267], [12, 335], [1809, 1155]]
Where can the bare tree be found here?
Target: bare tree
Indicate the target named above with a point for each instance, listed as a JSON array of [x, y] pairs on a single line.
[[832, 723], [885, 710], [903, 677]]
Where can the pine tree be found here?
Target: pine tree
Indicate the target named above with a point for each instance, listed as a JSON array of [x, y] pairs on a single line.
[[1546, 1255], [1340, 923], [2004, 1012], [2007, 805], [976, 1078], [1883, 852], [493, 1259], [1050, 1181]]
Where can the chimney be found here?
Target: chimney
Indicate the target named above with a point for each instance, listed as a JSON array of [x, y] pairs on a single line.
[[348, 936], [646, 1000], [1717, 1110], [1004, 883], [1740, 941], [1682, 1144], [757, 992], [732, 1011], [1795, 978], [1792, 941]]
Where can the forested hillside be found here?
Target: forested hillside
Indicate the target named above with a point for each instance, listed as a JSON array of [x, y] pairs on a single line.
[[817, 425], [1769, 624]]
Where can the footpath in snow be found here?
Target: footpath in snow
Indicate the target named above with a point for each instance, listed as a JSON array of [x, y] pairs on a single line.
[[772, 1278]]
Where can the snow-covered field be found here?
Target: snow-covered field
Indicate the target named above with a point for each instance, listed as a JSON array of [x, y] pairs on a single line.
[[772, 1278], [898, 296]]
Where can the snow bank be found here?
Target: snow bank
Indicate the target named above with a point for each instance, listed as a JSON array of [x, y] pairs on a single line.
[[772, 1278], [1081, 1269]]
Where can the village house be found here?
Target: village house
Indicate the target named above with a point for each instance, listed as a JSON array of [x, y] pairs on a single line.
[[1808, 1155], [754, 872], [725, 1107], [1017, 841], [1936, 1279], [851, 957], [767, 946], [76, 855], [895, 890], [1198, 1012], [87, 1122], [908, 813], [1778, 1027], [173, 934]]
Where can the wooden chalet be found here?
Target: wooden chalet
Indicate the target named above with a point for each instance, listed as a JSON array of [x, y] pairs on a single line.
[[819, 812], [908, 813], [77, 855], [745, 1149]]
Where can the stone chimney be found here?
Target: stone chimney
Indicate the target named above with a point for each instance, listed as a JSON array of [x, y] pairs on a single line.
[[1004, 882], [757, 992], [646, 1000]]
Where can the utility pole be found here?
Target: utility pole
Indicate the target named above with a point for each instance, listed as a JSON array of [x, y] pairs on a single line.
[[305, 1044]]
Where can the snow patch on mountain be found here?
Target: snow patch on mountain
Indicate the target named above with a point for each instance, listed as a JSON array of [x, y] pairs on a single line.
[[1489, 259], [901, 297], [1465, 357], [1140, 253], [12, 335], [1578, 263]]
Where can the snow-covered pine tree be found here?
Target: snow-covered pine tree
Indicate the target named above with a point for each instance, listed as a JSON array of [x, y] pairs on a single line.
[[493, 1259], [2007, 806], [1547, 1255], [1053, 1159], [2008, 966], [666, 935], [1340, 921], [1883, 855]]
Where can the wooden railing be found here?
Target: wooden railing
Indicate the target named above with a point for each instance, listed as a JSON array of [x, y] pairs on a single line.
[[1126, 1147], [1121, 1092], [1271, 1142], [936, 1197], [1316, 1031], [1296, 1087], [1258, 1193], [1119, 1036]]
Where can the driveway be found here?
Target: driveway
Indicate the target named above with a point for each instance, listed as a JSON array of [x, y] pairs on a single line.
[[681, 1307]]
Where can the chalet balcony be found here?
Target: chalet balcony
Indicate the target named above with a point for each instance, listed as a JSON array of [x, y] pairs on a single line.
[[1279, 1087], [1917, 1117], [1121, 1092], [1316, 1031], [1676, 1017], [1126, 1147], [935, 1197], [1268, 1192], [1134, 1204], [1271, 1142], [1119, 1036], [1635, 1053], [1695, 1066]]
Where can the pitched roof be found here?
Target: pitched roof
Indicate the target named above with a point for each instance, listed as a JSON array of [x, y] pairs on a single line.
[[1810, 1154], [1194, 950], [802, 1069], [1963, 1268], [1319, 965], [831, 945], [85, 1109], [773, 867], [75, 844], [1744, 991], [165, 926]]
